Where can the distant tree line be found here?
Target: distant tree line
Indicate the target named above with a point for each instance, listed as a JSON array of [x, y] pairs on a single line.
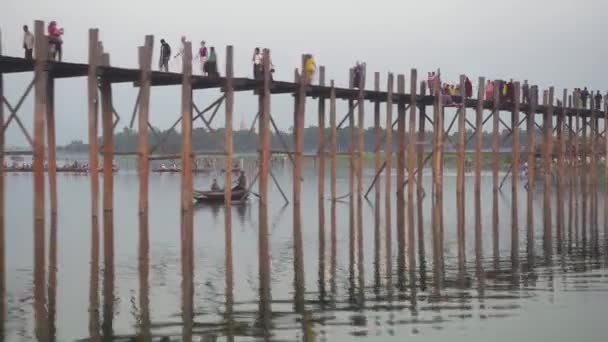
[[204, 140]]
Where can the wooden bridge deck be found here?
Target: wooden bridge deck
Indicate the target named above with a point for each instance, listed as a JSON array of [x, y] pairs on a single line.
[[158, 78]]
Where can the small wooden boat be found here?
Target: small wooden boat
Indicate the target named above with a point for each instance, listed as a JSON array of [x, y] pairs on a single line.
[[172, 170], [217, 197]]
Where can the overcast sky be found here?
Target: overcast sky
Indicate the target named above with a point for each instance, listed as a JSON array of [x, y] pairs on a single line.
[[551, 43]]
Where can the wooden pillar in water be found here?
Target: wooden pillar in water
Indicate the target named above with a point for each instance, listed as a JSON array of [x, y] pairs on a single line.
[[2, 243], [187, 128], [93, 117], [264, 133], [388, 155], [495, 168], [321, 142], [40, 87], [420, 140], [360, 132], [478, 166], [228, 141], [145, 64], [592, 185], [108, 139], [40, 91], [377, 136], [583, 175], [334, 140], [400, 178], [560, 170], [351, 140], [50, 128], [321, 190], [460, 196], [437, 186], [39, 120], [302, 82], [576, 167], [547, 161], [515, 177], [605, 168], [570, 164], [531, 151], [411, 166]]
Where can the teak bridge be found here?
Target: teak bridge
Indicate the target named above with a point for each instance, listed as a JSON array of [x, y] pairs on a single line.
[[568, 122]]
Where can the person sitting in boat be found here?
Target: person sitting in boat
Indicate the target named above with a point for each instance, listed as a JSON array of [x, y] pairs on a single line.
[[242, 182], [215, 186]]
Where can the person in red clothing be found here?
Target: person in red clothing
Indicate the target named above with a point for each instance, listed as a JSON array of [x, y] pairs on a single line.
[[55, 33]]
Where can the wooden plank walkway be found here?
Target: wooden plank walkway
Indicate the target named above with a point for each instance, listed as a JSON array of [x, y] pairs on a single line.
[[124, 75]]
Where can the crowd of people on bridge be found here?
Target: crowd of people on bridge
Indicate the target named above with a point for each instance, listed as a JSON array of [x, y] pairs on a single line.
[[451, 93]]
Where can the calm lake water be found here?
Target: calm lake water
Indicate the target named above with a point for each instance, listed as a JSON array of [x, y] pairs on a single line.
[[342, 287]]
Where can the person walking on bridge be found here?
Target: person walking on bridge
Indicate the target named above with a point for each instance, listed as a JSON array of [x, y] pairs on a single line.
[[28, 43], [598, 100], [525, 92], [584, 97], [165, 55]]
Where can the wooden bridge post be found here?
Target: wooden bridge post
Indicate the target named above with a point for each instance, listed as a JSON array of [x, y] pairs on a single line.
[[400, 179], [495, 167], [547, 161], [351, 141], [377, 135], [302, 82], [264, 132], [187, 128], [515, 177], [321, 142], [108, 139], [584, 177], [50, 127], [411, 158], [561, 131], [570, 165], [360, 131], [592, 186], [388, 147], [93, 118], [420, 141], [145, 65], [460, 195], [2, 250], [228, 142], [41, 74], [478, 166], [40, 71], [577, 162], [605, 167], [531, 150], [334, 141], [437, 186], [388, 155]]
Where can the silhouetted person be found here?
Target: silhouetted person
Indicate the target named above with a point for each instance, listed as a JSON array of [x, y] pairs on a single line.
[[165, 55], [28, 43], [584, 97], [510, 91], [525, 92], [215, 186], [468, 88], [598, 100]]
